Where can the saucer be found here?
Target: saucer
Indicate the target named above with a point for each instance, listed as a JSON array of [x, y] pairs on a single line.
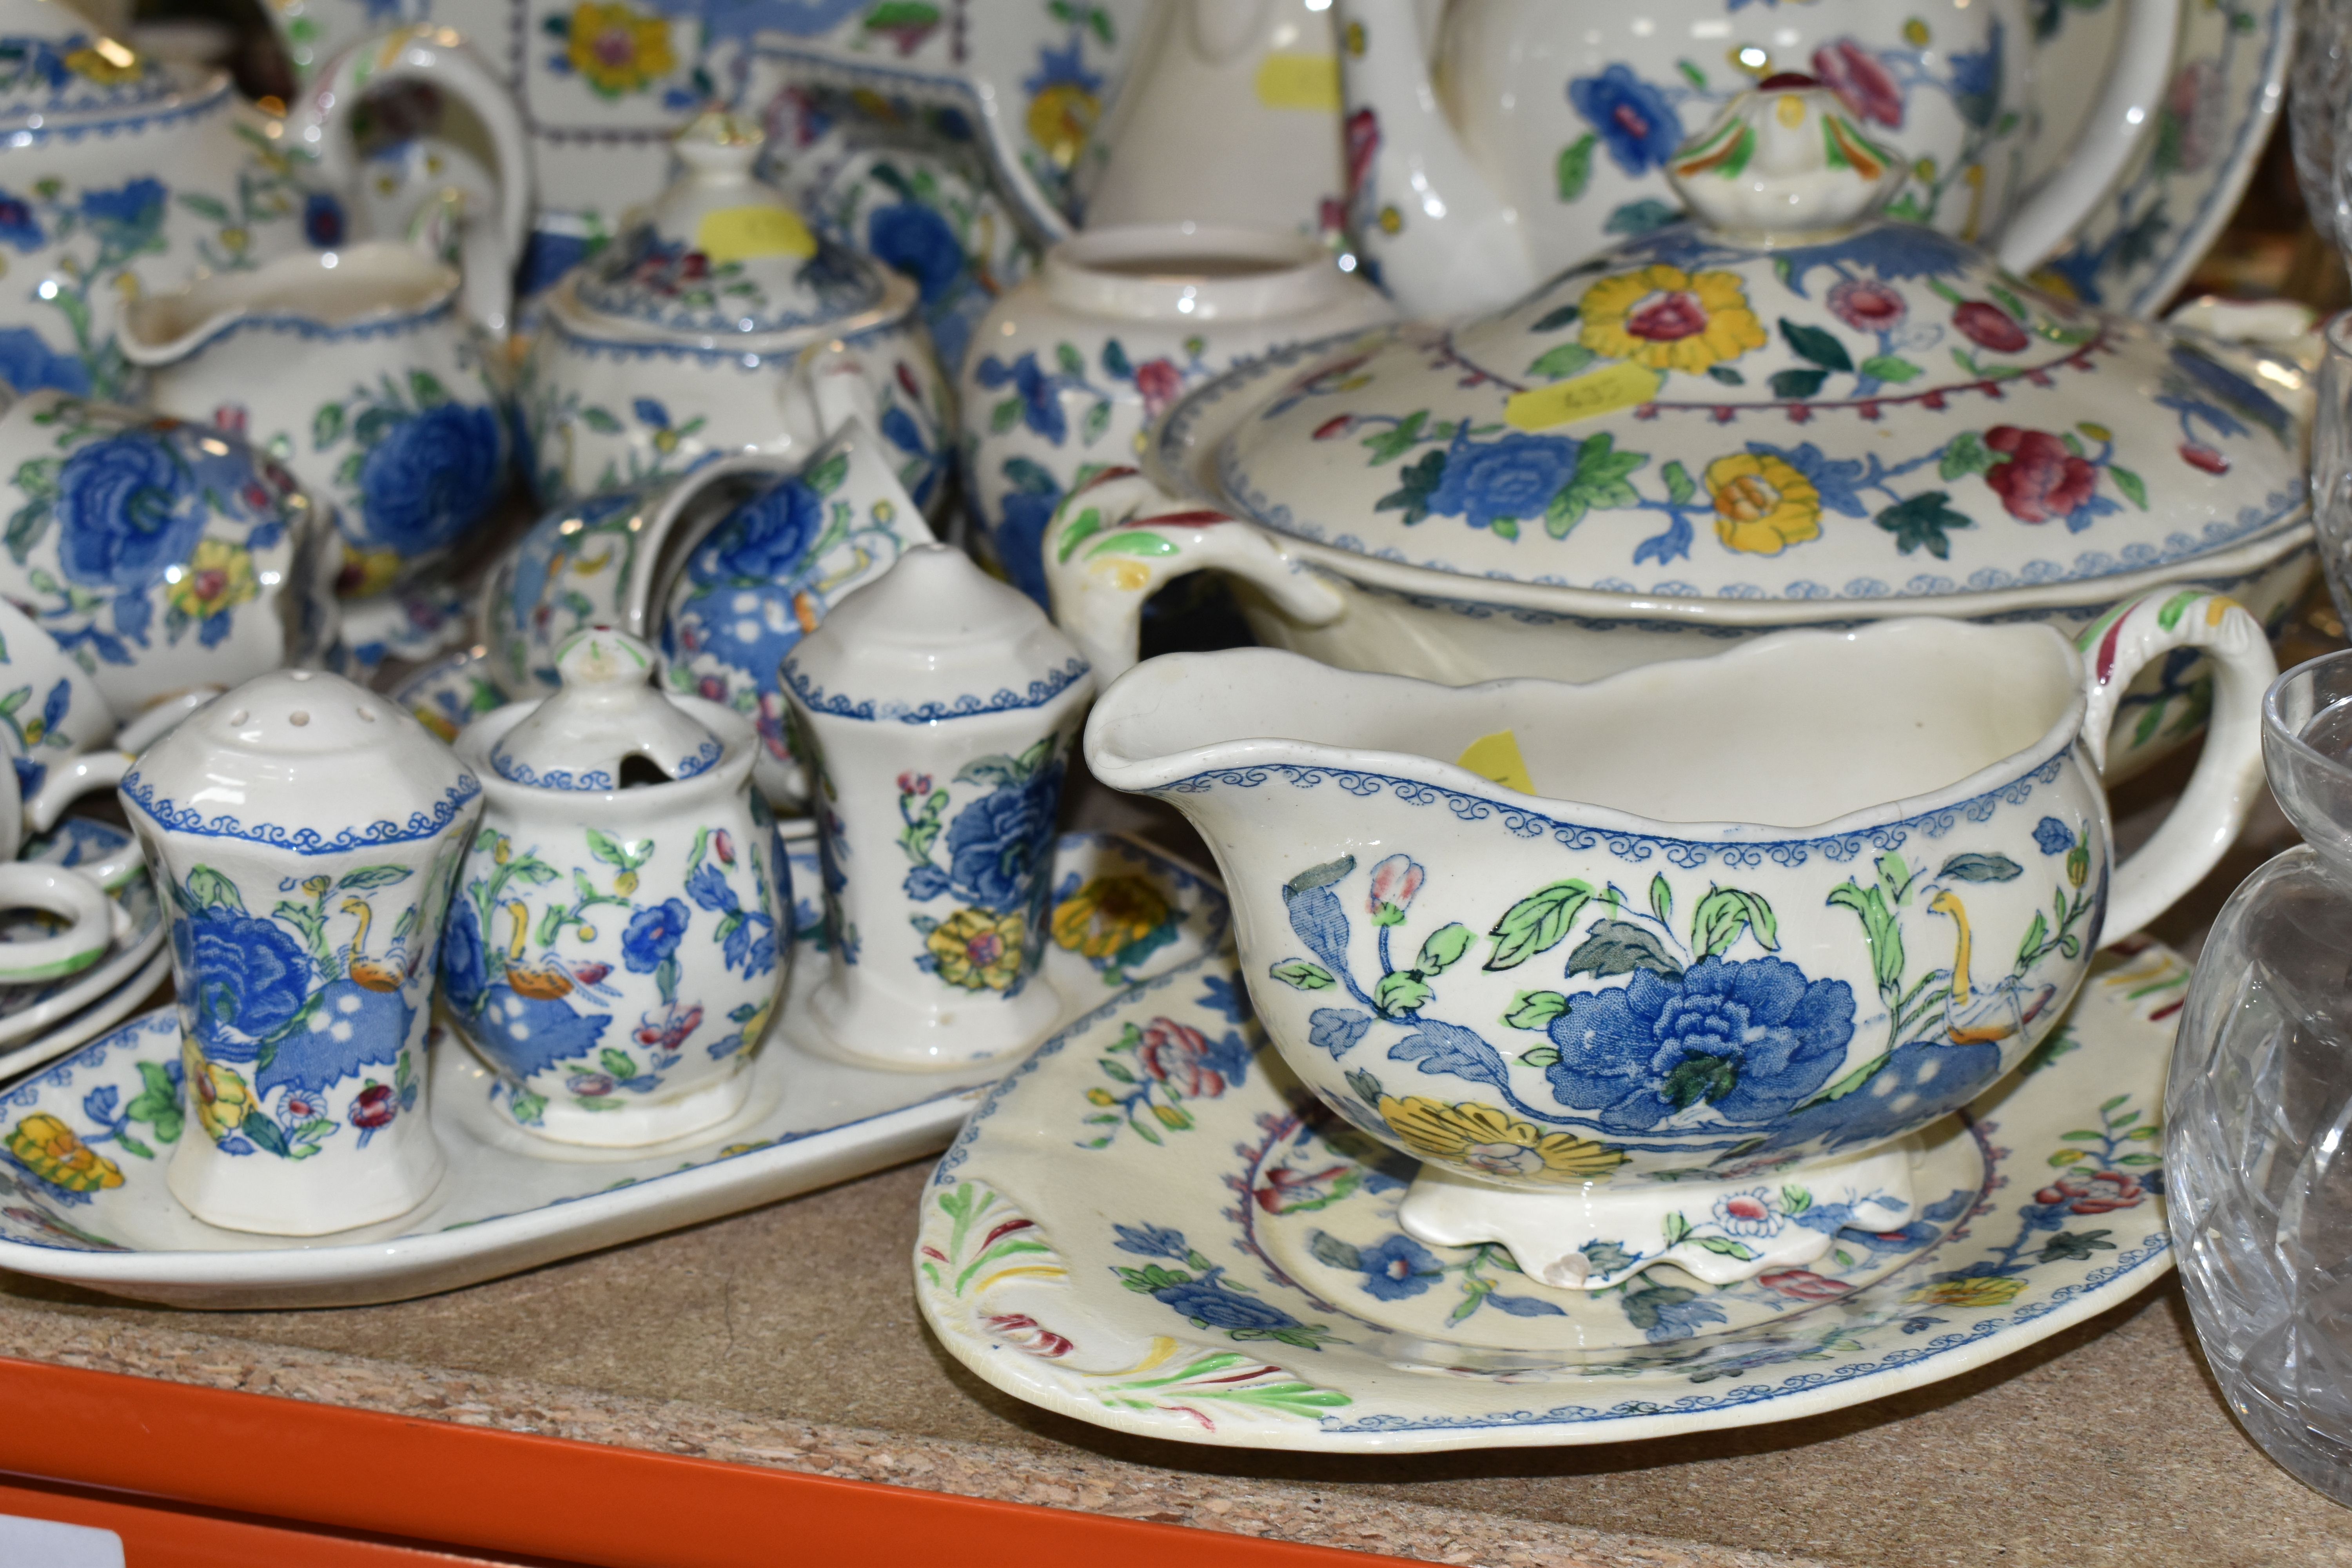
[[1148, 1225], [451, 692], [37, 1022], [83, 1199]]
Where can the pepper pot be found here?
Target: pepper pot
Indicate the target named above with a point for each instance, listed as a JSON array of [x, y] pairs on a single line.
[[939, 706]]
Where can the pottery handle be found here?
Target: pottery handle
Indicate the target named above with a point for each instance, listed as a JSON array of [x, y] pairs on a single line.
[[2207, 819], [1114, 540], [661, 558], [2127, 110], [68, 781], [90, 916], [436, 56]]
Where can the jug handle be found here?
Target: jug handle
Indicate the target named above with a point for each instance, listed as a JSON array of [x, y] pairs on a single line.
[[2207, 819], [1116, 538], [439, 58], [2127, 111]]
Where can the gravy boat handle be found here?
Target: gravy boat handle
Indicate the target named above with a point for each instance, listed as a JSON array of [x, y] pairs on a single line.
[[2207, 819], [1114, 540]]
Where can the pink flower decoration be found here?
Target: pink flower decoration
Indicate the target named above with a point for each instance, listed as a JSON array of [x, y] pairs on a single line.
[[1854, 74], [1867, 305]]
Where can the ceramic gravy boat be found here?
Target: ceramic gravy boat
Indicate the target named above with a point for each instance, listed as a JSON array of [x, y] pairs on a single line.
[[1728, 933]]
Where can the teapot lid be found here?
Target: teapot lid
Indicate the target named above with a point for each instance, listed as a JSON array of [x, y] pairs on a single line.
[[934, 638], [1790, 397], [604, 713], [303, 761], [722, 253], [54, 63]]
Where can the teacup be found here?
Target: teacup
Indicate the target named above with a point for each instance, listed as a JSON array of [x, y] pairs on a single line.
[[1604, 957]]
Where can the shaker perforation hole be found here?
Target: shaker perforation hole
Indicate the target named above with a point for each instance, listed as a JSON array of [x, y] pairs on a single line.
[[240, 716], [298, 718], [366, 713]]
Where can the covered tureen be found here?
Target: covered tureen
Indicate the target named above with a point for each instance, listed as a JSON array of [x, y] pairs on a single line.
[[723, 322], [1789, 411]]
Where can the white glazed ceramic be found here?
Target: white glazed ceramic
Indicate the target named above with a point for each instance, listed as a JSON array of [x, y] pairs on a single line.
[[124, 176], [356, 370], [1229, 114], [1527, 136], [1238, 1278], [939, 708], [1710, 434], [613, 950], [304, 832], [1068, 369], [724, 323], [174, 554], [32, 1016], [1757, 915], [512, 1201]]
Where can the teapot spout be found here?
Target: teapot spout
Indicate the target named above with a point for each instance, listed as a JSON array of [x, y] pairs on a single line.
[[1444, 242]]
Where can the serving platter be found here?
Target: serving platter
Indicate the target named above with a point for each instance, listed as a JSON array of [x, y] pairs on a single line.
[[1149, 1226], [83, 1145]]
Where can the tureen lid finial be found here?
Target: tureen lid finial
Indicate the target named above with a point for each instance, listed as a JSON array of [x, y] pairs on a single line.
[[1785, 158], [605, 713]]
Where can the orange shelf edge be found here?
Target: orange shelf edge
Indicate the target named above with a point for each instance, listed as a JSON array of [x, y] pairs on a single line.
[[547, 1497]]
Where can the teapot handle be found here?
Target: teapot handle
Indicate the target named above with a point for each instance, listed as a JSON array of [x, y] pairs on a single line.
[[1116, 538], [2207, 819], [2147, 37], [438, 57]]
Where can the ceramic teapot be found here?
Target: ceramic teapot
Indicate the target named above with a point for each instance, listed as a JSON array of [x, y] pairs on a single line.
[[1641, 971], [1790, 412], [119, 177], [1527, 133], [724, 323]]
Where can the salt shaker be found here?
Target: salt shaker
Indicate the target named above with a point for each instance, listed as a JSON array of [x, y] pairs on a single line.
[[303, 832], [939, 706]]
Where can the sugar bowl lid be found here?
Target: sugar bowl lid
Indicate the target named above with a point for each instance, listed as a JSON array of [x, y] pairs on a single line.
[[722, 254], [606, 712], [1790, 397], [304, 761], [55, 65]]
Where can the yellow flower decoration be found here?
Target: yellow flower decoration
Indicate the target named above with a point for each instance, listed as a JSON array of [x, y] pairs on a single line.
[[1670, 319], [1108, 915], [218, 576], [218, 1096], [107, 63], [978, 951], [366, 573], [1762, 505], [50, 1151], [1488, 1139], [1981, 1291], [1061, 118], [617, 50]]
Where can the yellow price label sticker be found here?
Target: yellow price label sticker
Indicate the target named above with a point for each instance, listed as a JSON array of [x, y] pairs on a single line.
[[740, 234], [1299, 81], [1585, 396], [1497, 757]]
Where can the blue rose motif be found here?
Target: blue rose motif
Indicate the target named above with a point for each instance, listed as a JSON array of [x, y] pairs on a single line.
[[126, 510], [653, 934], [918, 242], [1212, 1307], [245, 974], [323, 223], [137, 206], [465, 967], [431, 476], [1398, 1267], [1636, 123], [1751, 1039], [1041, 404], [1020, 536], [997, 844], [19, 225], [1516, 476], [27, 363], [2054, 836], [766, 540]]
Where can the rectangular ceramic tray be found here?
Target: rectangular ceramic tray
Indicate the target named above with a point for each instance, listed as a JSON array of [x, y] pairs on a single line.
[[512, 1201]]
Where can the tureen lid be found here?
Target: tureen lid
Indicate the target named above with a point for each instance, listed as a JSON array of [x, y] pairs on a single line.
[[604, 713], [53, 62], [722, 253], [1789, 396]]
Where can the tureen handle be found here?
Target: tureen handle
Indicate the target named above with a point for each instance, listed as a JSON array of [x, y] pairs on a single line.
[[437, 58], [2207, 819], [1115, 540]]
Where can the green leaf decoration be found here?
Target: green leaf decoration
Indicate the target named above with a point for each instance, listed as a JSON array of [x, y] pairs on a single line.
[[2130, 484], [1814, 344], [376, 877], [1797, 386], [1096, 421], [1725, 374], [1676, 1229], [1561, 361], [1443, 948], [207, 889], [1849, 1082], [1399, 438], [1697, 79], [1724, 1246], [1403, 992], [1723, 914], [1537, 923], [1316, 876], [1620, 947], [326, 424], [1922, 521], [1976, 867], [1599, 482], [1574, 170], [601, 422], [1535, 1009], [426, 388], [1662, 898], [1005, 416], [1966, 454], [617, 1063], [1680, 488], [1366, 1087], [1338, 1254], [1541, 1056], [264, 1133], [1115, 361], [2033, 940], [1891, 367], [1417, 482], [1878, 929], [1072, 362], [1554, 319], [1303, 976]]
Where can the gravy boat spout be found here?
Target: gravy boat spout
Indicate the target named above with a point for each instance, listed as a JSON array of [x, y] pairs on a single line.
[[1674, 965]]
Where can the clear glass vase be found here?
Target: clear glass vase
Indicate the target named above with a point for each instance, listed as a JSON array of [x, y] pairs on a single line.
[[2258, 1164]]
